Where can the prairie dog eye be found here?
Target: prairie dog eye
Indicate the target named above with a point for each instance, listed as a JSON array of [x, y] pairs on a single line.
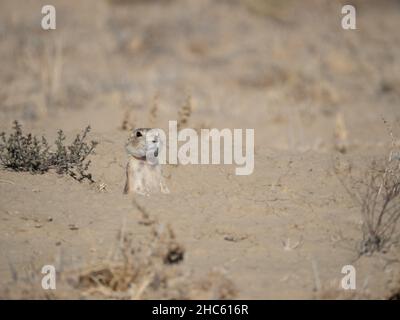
[[138, 134]]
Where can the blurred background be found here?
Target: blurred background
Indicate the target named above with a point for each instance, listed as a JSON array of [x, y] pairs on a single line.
[[285, 68], [312, 91]]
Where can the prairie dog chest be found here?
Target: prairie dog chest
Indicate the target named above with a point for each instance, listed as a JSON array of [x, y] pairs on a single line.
[[144, 173]]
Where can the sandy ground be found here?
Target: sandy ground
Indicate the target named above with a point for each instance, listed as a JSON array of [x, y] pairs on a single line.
[[287, 70]]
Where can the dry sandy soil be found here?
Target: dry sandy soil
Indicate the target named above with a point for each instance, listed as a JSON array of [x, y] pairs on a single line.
[[314, 93]]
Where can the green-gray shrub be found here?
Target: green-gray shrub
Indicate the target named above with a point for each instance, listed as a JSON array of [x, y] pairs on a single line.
[[20, 152]]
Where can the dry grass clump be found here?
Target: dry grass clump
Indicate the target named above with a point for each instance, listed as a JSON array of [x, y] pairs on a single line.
[[134, 272], [20, 152], [378, 195], [152, 271], [304, 88], [184, 113], [380, 207], [127, 121], [153, 113], [393, 284], [341, 143], [149, 271], [395, 294]]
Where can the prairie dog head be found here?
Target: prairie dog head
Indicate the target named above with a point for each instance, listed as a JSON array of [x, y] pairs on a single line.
[[144, 144]]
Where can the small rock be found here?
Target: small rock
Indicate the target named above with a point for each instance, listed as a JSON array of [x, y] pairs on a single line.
[[73, 227], [234, 238]]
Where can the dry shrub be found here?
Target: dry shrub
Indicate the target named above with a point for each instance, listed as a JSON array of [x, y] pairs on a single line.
[[380, 207], [26, 152], [378, 195]]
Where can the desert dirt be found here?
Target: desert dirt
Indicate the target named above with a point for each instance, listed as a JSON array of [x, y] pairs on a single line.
[[315, 95]]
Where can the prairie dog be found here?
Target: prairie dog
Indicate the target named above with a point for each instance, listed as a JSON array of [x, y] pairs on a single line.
[[143, 170]]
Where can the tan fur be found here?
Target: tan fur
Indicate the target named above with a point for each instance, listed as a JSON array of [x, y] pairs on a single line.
[[142, 175]]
